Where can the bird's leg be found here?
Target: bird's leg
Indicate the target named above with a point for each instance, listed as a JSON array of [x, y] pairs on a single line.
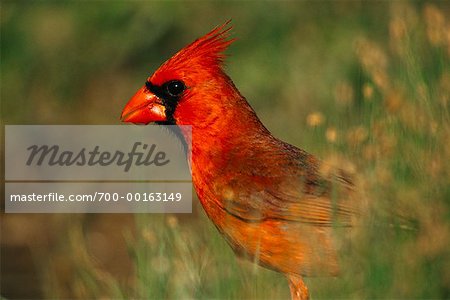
[[299, 291]]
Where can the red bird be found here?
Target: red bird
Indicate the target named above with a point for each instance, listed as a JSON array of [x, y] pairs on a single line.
[[270, 200]]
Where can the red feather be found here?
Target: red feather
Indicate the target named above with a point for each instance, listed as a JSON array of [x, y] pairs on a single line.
[[205, 53]]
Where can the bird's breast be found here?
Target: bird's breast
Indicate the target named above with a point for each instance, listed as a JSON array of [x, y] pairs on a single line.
[[287, 247]]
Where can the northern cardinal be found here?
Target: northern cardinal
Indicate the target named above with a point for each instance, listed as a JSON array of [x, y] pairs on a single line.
[[270, 200]]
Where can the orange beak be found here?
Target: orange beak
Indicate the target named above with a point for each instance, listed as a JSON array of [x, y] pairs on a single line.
[[143, 108]]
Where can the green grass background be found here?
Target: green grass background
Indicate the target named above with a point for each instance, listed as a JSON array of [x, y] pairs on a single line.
[[358, 83]]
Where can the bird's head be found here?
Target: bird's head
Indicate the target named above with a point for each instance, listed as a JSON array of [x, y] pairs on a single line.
[[185, 89]]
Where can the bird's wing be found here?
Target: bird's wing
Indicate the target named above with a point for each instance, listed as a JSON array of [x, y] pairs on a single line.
[[292, 206], [302, 196]]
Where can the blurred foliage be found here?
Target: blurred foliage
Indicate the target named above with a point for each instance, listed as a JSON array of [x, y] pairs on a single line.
[[361, 84]]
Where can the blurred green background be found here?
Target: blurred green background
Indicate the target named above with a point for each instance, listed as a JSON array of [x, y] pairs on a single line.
[[362, 84]]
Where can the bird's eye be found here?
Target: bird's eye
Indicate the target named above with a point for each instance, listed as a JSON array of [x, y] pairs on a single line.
[[175, 88]]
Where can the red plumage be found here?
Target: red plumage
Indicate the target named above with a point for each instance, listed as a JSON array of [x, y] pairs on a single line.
[[270, 200]]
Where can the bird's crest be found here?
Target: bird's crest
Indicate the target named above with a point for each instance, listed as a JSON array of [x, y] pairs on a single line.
[[206, 52]]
